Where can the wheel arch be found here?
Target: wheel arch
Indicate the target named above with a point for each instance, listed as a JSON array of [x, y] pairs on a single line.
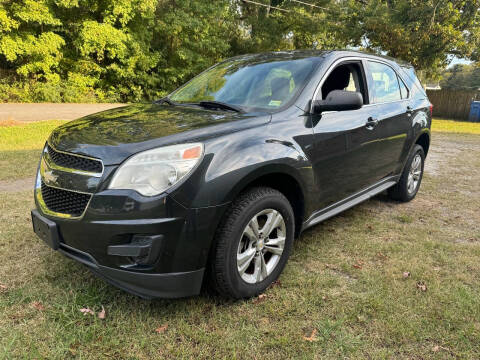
[[424, 141], [283, 178]]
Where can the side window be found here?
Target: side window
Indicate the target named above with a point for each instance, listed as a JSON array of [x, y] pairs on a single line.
[[347, 77], [385, 83], [411, 80], [403, 89]]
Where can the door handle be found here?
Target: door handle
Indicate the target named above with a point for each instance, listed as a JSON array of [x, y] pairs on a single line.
[[371, 123], [409, 111]]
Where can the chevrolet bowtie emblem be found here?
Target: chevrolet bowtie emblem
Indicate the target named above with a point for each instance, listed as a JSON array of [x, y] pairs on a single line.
[[49, 177]]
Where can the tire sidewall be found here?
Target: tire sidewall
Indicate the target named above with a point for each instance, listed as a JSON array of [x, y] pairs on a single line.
[[276, 202], [416, 150]]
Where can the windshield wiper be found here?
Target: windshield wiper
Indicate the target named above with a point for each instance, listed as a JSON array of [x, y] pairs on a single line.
[[220, 105], [165, 100]]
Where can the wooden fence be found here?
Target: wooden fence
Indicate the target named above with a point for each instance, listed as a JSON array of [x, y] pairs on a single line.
[[452, 104]]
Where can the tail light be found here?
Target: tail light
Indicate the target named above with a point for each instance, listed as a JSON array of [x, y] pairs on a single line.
[[431, 109]]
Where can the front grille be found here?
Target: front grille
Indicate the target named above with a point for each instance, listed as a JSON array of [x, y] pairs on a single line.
[[74, 161], [64, 201]]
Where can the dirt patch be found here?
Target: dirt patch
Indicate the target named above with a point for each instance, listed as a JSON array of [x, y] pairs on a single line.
[[10, 122], [17, 185], [446, 147], [15, 112]]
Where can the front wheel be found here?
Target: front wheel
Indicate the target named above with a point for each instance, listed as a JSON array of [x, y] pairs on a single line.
[[252, 243], [411, 178]]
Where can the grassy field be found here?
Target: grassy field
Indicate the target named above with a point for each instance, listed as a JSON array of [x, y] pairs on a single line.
[[458, 127], [383, 280], [21, 144]]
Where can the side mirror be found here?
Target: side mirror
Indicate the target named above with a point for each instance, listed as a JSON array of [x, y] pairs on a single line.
[[339, 100]]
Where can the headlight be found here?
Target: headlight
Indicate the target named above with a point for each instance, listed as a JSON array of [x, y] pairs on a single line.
[[152, 172]]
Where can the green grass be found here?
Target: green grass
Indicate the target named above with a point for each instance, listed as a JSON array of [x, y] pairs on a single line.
[[452, 126], [367, 311], [20, 147], [26, 136]]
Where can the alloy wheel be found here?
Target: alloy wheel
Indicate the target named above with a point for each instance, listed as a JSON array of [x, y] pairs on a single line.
[[414, 174], [261, 246]]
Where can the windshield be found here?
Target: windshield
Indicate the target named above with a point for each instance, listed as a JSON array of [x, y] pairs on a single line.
[[266, 85]]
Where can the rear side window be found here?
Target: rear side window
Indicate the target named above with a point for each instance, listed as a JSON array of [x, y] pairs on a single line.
[[416, 88], [384, 82]]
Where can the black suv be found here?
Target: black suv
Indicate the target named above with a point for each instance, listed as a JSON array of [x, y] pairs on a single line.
[[213, 183]]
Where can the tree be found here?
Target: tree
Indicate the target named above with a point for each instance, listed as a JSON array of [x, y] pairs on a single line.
[[288, 25], [462, 77], [423, 32], [132, 50], [117, 50]]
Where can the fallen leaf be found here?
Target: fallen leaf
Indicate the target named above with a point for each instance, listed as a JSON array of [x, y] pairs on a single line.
[[312, 337], [406, 274], [3, 287], [161, 329], [86, 311], [38, 305], [359, 264], [422, 286], [437, 348], [101, 314], [382, 255], [276, 283], [324, 297], [73, 348], [260, 298]]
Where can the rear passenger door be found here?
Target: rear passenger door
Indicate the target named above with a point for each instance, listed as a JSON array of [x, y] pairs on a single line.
[[389, 102]]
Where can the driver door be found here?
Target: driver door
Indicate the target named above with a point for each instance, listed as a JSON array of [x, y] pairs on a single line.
[[343, 142]]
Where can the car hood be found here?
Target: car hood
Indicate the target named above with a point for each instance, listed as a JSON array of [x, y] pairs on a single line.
[[114, 135]]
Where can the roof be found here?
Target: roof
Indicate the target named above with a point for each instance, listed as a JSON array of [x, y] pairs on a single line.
[[302, 54]]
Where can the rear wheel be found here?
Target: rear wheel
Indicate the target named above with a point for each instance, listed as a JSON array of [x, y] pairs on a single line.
[[411, 178], [252, 243]]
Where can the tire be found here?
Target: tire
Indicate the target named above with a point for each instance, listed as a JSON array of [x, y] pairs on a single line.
[[402, 191], [233, 243]]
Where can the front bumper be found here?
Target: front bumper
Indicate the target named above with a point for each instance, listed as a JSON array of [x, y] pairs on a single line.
[[114, 218], [145, 285]]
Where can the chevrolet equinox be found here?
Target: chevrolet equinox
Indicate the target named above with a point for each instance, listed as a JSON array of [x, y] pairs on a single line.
[[212, 184]]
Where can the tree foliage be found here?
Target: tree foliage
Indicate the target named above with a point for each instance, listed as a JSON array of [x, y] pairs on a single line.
[[466, 77], [423, 32], [132, 50]]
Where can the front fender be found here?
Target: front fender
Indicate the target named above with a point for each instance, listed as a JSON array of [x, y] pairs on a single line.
[[231, 165]]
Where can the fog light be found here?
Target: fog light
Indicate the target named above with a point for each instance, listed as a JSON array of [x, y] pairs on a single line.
[[143, 249]]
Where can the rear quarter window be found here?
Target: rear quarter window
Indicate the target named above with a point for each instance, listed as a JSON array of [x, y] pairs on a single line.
[[416, 88]]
